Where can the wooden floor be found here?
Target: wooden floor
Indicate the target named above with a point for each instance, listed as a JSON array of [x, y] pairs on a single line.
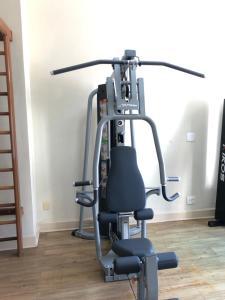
[[65, 268]]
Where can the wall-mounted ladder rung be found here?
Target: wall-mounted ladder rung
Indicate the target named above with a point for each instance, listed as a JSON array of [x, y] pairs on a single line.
[[10, 238], [3, 73], [2, 132], [6, 187], [7, 205], [4, 113], [2, 52], [2, 170], [7, 222], [5, 151], [8, 211], [3, 93]]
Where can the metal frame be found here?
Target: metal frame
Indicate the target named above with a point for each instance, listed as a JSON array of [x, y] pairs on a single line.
[[100, 127], [80, 232]]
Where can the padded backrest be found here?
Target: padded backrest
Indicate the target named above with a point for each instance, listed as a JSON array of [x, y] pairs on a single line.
[[125, 187]]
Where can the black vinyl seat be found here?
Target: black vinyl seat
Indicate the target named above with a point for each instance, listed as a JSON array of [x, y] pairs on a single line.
[[125, 190], [125, 193], [133, 247]]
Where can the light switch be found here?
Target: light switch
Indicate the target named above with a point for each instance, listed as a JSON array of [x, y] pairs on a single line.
[[190, 137]]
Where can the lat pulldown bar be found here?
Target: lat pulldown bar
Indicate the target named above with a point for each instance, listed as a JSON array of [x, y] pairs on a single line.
[[125, 62]]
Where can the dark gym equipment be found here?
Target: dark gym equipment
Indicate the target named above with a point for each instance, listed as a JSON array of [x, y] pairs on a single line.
[[220, 197]]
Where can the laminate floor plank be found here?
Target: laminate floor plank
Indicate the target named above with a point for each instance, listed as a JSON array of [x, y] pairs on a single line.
[[65, 268]]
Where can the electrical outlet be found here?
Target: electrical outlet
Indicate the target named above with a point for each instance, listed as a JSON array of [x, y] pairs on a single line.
[[45, 205], [190, 200]]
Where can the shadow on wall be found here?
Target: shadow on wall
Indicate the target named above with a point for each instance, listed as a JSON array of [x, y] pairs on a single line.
[[190, 157], [189, 160], [59, 126]]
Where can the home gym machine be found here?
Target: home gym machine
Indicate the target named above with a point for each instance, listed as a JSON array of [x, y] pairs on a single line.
[[118, 191]]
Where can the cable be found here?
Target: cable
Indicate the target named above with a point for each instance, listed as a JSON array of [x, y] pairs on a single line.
[[135, 297]]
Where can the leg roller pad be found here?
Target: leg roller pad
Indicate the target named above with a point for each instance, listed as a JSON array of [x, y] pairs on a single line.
[[127, 265], [167, 260]]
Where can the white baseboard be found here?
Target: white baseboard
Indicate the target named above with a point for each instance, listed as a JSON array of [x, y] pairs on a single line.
[[61, 226], [163, 217], [184, 215]]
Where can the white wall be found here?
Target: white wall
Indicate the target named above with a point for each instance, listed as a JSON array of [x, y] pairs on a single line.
[[10, 12], [187, 33]]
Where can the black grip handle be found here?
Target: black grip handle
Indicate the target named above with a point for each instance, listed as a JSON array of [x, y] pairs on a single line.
[[172, 198], [84, 199], [82, 183], [173, 178], [153, 191]]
